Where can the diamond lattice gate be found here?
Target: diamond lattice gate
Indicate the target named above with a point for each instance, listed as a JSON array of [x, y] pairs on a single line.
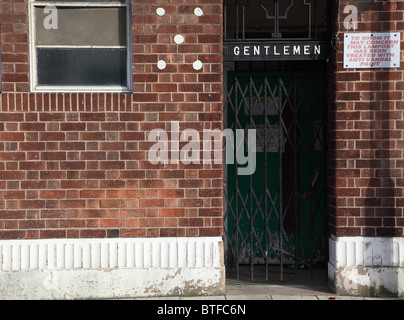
[[275, 81], [278, 214]]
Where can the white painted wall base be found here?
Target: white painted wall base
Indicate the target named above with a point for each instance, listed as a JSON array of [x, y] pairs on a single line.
[[111, 268], [366, 266]]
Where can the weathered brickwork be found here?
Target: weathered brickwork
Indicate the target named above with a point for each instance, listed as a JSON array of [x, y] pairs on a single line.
[[75, 164], [366, 133]]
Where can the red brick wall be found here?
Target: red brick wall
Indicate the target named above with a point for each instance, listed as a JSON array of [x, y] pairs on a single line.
[[75, 164], [366, 133]]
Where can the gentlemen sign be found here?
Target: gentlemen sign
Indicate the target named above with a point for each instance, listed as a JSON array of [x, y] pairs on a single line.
[[285, 50]]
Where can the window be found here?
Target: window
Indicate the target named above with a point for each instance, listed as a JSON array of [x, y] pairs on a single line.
[[80, 46]]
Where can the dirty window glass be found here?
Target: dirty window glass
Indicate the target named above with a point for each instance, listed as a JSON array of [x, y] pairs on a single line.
[[80, 46]]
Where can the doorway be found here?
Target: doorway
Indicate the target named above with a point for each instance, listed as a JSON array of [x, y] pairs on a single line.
[[276, 219]]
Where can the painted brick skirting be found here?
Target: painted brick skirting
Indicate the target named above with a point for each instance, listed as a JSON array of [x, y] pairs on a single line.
[[366, 251], [110, 268], [366, 266]]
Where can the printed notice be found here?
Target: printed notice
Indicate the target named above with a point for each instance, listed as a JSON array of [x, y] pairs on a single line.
[[372, 50], [271, 137]]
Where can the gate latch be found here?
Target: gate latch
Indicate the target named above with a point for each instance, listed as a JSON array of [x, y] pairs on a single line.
[[307, 195]]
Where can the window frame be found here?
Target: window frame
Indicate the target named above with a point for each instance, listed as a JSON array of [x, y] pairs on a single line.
[[79, 88]]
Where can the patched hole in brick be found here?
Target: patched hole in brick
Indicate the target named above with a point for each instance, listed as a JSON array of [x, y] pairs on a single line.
[[161, 64], [198, 12], [179, 39], [197, 65], [160, 11]]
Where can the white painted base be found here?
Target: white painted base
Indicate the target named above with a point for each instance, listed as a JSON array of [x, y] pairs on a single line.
[[366, 266], [111, 268]]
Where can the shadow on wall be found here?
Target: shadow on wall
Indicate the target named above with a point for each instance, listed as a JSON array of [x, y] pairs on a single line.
[[376, 159], [379, 157]]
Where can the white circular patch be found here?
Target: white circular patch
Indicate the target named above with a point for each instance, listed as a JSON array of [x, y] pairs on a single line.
[[161, 64], [197, 65], [160, 11], [178, 39], [198, 12]]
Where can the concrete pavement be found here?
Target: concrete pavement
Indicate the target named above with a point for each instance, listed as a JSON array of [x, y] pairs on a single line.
[[239, 290]]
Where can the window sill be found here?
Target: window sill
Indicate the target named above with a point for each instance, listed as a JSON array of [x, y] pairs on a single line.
[[77, 89]]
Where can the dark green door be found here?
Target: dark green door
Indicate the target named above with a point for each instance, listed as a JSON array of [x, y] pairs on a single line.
[[278, 215]]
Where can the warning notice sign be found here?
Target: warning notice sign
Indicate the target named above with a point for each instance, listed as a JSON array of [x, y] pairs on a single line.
[[372, 50]]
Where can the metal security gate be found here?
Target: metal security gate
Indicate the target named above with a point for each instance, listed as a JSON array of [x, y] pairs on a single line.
[[277, 216]]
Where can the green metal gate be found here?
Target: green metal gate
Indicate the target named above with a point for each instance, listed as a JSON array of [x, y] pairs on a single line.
[[278, 215], [276, 54]]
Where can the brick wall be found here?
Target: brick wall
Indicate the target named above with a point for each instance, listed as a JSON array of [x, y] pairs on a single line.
[[366, 133], [75, 164]]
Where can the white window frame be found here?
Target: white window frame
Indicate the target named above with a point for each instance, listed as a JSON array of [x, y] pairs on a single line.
[[57, 88]]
